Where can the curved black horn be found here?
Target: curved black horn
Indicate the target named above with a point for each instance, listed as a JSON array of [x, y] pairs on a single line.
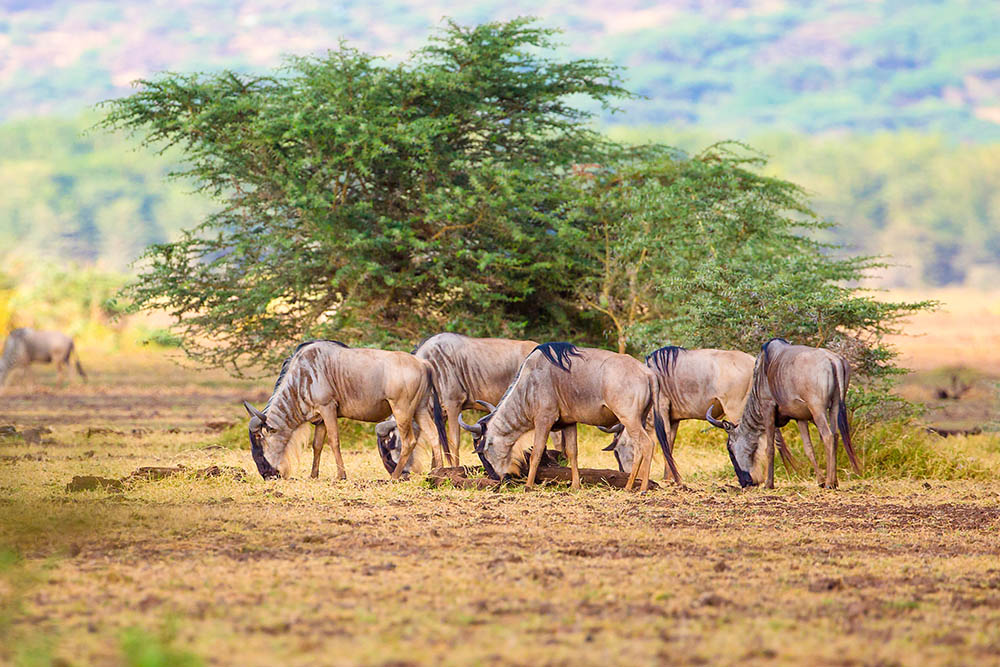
[[383, 429], [611, 447], [254, 412], [477, 429], [488, 406], [616, 429], [712, 420]]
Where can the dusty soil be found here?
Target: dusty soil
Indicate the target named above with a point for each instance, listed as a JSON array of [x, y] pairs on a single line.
[[236, 570]]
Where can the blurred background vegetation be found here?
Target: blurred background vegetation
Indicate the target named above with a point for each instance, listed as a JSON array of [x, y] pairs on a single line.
[[887, 112]]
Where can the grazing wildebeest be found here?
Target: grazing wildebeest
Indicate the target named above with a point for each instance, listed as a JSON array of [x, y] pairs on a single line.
[[790, 382], [691, 382], [558, 386], [466, 369], [324, 380], [27, 346]]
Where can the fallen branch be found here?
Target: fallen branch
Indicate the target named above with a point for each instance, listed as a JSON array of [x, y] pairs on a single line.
[[460, 477]]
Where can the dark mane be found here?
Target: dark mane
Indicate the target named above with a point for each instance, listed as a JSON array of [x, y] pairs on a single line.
[[665, 359], [288, 360], [559, 354], [763, 348], [421, 343]]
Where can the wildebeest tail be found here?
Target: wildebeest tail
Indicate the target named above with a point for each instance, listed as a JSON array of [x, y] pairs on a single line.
[[661, 434], [438, 415], [72, 352], [841, 377]]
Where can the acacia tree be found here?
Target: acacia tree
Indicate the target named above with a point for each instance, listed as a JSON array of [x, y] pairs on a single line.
[[705, 251], [460, 190], [373, 202]]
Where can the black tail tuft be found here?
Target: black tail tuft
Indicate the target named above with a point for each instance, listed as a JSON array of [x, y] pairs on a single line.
[[842, 425], [438, 415], [661, 435], [69, 353]]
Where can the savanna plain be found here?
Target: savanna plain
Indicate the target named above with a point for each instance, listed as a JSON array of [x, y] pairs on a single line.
[[899, 566]]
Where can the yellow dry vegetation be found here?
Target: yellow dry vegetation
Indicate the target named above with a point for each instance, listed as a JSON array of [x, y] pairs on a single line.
[[963, 331], [235, 570]]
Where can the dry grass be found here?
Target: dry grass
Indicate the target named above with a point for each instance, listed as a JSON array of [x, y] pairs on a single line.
[[299, 572], [963, 332]]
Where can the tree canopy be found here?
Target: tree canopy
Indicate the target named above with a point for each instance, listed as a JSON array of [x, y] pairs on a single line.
[[464, 190]]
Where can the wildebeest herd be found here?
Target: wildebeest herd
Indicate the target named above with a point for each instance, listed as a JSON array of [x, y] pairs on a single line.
[[534, 391]]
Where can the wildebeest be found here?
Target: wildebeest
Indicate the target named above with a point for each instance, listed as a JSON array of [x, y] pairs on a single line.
[[558, 386], [27, 346], [692, 382], [323, 380], [790, 382], [466, 369]]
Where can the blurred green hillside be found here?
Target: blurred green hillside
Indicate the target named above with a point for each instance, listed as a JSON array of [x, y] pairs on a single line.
[[737, 65], [888, 112]]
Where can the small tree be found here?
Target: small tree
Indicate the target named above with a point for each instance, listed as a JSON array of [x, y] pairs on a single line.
[[373, 203], [705, 251]]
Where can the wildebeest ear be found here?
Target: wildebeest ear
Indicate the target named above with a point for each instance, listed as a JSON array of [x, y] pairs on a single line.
[[611, 447], [728, 425], [254, 412]]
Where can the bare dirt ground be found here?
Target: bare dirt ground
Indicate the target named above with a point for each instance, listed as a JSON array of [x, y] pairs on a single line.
[[235, 570]]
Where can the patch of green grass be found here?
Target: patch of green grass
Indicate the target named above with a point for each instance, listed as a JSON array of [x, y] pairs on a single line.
[[142, 649], [901, 450]]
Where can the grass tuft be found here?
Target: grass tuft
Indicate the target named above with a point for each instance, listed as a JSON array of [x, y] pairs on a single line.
[[142, 649]]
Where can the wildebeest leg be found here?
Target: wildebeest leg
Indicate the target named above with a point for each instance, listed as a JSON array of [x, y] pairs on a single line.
[[61, 371], [329, 414], [452, 411], [318, 439], [559, 441], [769, 428], [404, 425], [786, 454], [537, 450], [569, 448], [826, 435], [426, 424], [671, 438], [808, 446]]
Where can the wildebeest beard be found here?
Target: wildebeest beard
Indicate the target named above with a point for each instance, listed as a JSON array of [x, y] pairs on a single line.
[[266, 470], [516, 470]]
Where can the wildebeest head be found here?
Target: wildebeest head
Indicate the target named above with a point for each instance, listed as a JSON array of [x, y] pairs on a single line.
[[390, 445], [267, 444], [743, 451], [621, 446], [495, 449]]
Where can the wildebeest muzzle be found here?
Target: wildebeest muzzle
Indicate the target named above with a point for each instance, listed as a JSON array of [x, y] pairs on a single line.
[[266, 470]]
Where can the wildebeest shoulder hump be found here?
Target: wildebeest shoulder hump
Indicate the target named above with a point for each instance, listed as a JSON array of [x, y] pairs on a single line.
[[559, 354], [665, 358]]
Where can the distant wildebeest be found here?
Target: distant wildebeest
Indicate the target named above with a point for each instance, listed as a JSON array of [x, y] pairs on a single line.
[[558, 386], [29, 346], [324, 380], [466, 369], [790, 382], [692, 382]]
